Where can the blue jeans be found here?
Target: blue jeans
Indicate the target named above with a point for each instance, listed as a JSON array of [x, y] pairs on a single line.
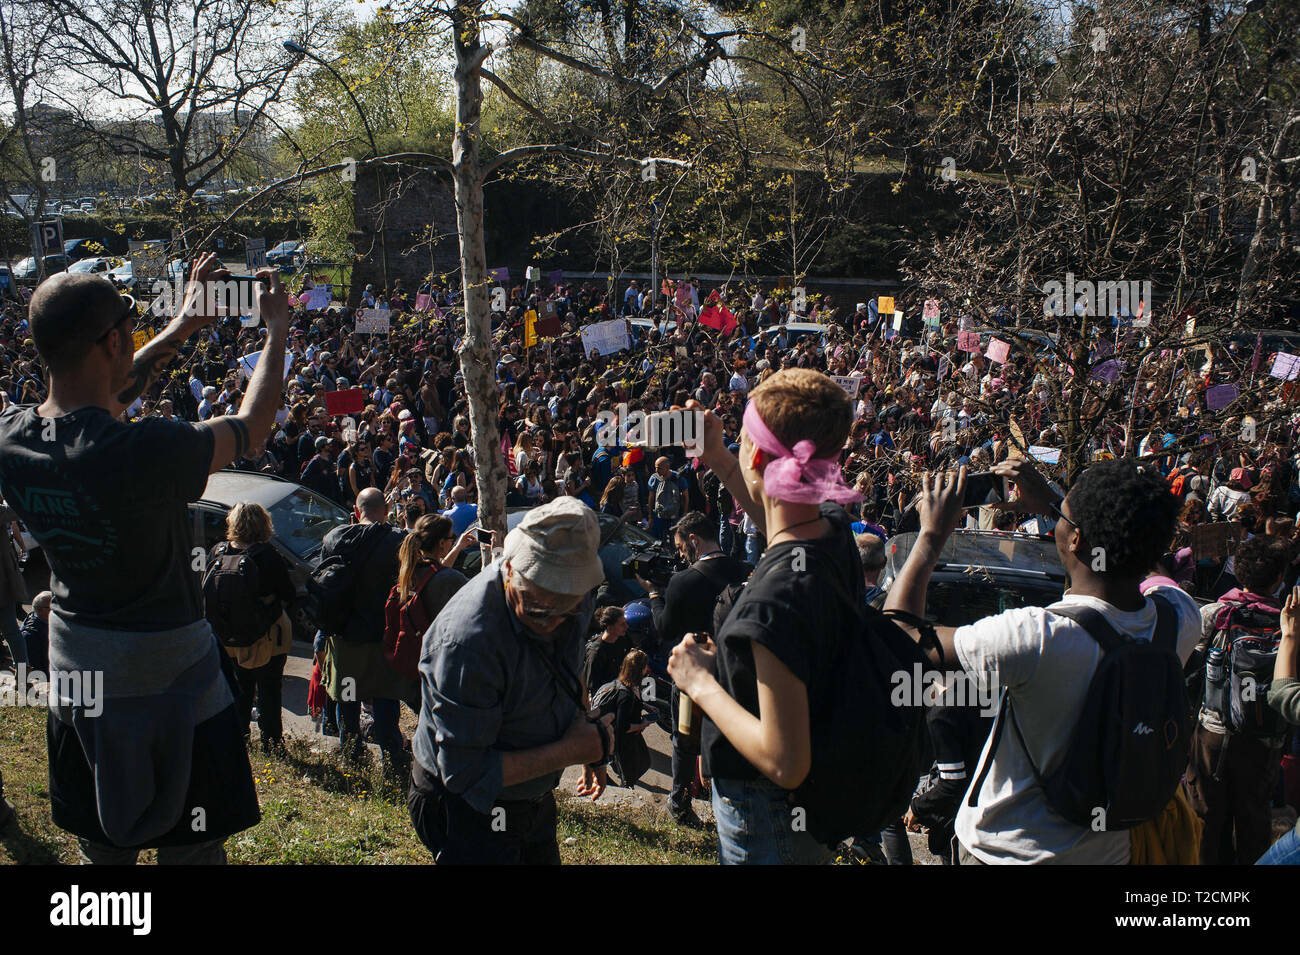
[[756, 826], [753, 548], [1286, 851], [13, 636]]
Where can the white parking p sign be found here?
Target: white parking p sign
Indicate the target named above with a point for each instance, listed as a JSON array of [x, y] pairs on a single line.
[[47, 237]]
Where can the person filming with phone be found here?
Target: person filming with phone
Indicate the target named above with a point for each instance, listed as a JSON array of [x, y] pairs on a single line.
[[108, 503]]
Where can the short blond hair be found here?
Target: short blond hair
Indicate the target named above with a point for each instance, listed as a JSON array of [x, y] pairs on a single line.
[[248, 523], [799, 403]]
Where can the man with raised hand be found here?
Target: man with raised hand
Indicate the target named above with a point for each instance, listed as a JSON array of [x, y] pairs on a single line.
[[145, 746]]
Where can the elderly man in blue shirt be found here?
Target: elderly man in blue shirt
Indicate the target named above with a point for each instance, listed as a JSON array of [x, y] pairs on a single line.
[[503, 711]]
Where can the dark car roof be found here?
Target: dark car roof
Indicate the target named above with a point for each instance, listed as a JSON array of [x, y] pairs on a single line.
[[230, 487]]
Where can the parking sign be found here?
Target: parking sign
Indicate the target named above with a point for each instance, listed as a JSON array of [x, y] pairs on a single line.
[[255, 254], [47, 238]]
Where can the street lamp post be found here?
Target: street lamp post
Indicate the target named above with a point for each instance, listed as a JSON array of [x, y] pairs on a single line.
[[300, 50]]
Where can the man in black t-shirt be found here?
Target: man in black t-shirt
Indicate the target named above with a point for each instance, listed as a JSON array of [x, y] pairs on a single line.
[[687, 607], [162, 762]]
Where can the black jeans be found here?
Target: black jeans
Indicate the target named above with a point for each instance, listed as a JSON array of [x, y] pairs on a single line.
[[685, 754], [266, 682], [518, 832]]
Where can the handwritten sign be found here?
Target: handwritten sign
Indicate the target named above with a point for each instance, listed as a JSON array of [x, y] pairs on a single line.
[[968, 341], [142, 337], [318, 297], [998, 350], [1220, 396], [848, 383], [931, 312], [1285, 366], [885, 305], [606, 338], [374, 321]]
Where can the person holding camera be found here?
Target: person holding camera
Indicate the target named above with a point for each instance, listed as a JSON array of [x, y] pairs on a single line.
[[108, 502], [686, 606]]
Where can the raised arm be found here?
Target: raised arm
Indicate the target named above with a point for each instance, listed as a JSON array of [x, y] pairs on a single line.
[[233, 435], [726, 466]]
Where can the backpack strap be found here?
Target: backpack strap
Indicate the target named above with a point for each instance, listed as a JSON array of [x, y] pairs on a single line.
[[1108, 638]]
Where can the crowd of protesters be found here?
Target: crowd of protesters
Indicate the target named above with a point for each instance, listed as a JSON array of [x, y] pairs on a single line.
[[864, 412]]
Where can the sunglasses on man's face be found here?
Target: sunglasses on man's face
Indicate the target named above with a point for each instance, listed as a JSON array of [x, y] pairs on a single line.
[[128, 311]]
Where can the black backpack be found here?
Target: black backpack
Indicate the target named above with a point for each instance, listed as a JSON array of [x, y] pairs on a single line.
[[604, 699], [867, 753], [1249, 639], [333, 582], [233, 599], [1129, 749]]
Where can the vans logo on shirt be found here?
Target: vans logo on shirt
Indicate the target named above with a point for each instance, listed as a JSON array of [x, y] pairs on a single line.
[[1142, 729]]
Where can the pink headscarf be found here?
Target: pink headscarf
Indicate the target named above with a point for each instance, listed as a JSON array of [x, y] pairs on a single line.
[[795, 475]]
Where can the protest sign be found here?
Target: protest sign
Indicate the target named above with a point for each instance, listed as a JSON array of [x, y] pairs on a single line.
[[1214, 541], [606, 338], [1045, 455], [885, 304], [548, 323], [349, 401], [848, 383], [1220, 396], [142, 337], [248, 321], [374, 321], [898, 321], [423, 302], [1107, 371], [530, 328], [533, 274], [968, 342], [931, 313], [1285, 366], [997, 350], [249, 362], [255, 254], [318, 297]]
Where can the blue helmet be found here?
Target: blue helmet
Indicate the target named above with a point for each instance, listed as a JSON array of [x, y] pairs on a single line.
[[638, 615]]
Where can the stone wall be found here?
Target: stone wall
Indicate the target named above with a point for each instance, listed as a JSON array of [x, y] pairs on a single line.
[[417, 199]]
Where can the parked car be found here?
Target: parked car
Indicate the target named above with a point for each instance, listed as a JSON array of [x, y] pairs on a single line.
[[96, 266], [982, 573], [27, 272], [301, 518], [76, 249], [287, 256], [797, 331]]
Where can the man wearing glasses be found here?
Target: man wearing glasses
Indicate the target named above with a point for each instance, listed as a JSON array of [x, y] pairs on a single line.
[[503, 711], [153, 754]]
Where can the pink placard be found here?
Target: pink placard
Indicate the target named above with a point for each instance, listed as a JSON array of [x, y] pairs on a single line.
[[1285, 366], [968, 341], [998, 350]]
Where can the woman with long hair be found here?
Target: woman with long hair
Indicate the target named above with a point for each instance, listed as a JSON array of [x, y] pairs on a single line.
[[611, 502], [424, 568], [260, 666]]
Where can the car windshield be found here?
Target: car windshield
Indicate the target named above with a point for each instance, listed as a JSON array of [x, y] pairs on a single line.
[[956, 603], [302, 519], [985, 553], [85, 265]]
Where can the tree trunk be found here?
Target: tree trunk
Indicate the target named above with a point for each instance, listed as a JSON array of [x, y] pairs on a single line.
[[477, 361]]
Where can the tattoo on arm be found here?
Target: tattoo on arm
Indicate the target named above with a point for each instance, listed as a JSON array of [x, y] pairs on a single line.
[[241, 436], [148, 366]]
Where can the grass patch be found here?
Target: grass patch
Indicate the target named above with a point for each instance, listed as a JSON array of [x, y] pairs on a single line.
[[319, 810]]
